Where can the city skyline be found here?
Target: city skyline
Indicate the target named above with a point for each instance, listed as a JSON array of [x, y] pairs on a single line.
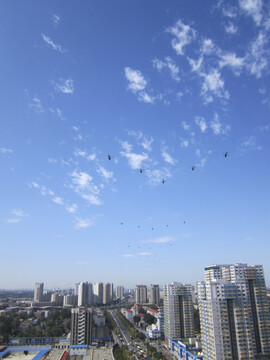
[[133, 141]]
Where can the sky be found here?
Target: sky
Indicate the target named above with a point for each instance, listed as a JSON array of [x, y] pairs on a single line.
[[115, 120]]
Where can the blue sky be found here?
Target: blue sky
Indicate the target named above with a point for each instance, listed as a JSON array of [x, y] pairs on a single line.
[[160, 86]]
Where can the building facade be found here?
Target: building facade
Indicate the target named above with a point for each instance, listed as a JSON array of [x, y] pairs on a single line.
[[107, 293], [120, 292], [81, 326], [178, 311], [154, 294], [85, 294], [38, 294], [141, 294], [98, 293], [234, 312]]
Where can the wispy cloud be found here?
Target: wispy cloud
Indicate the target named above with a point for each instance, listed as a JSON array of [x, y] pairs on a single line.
[[51, 44], [183, 35], [128, 255], [200, 121], [156, 176], [169, 64], [167, 157], [185, 126], [19, 215], [219, 128], [83, 223], [160, 240], [135, 160], [84, 154], [36, 105], [5, 150], [65, 86], [137, 85], [104, 173], [257, 58], [230, 28], [232, 61], [82, 183], [142, 140], [56, 19], [57, 200], [213, 84], [252, 8], [72, 209], [144, 253], [250, 143], [184, 143]]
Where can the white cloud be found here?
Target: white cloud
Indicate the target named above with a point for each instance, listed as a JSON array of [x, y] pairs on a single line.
[[83, 223], [135, 161], [208, 47], [200, 121], [128, 255], [213, 84], [82, 180], [13, 221], [250, 143], [184, 35], [5, 150], [142, 140], [167, 157], [19, 213], [36, 105], [72, 208], [84, 154], [161, 240], [232, 61], [185, 126], [253, 8], [57, 200], [137, 85], [105, 173], [136, 80], [230, 28], [184, 143], [52, 161], [170, 65], [156, 176], [144, 97], [65, 86], [49, 42], [144, 253], [229, 11], [83, 185], [92, 199], [195, 65], [218, 128], [56, 20], [258, 55]]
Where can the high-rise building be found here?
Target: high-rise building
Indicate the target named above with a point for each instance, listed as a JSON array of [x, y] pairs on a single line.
[[38, 292], [120, 292], [154, 294], [81, 326], [234, 313], [178, 311], [85, 294], [70, 300], [141, 294], [98, 293], [76, 289], [57, 299], [107, 293]]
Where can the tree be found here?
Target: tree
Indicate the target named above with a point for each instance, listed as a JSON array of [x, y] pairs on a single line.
[[149, 319], [136, 319]]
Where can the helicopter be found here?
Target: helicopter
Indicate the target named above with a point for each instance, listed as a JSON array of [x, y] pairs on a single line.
[[226, 154]]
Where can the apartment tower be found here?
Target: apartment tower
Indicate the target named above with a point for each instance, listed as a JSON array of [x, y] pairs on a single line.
[[38, 294], [141, 294], [85, 294], [81, 326], [178, 311], [234, 313], [154, 294], [120, 292]]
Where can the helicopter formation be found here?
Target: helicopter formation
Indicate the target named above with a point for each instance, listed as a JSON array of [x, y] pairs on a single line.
[[163, 180], [226, 154]]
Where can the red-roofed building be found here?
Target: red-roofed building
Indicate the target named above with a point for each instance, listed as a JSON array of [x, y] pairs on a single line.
[[128, 314], [153, 312], [141, 316]]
